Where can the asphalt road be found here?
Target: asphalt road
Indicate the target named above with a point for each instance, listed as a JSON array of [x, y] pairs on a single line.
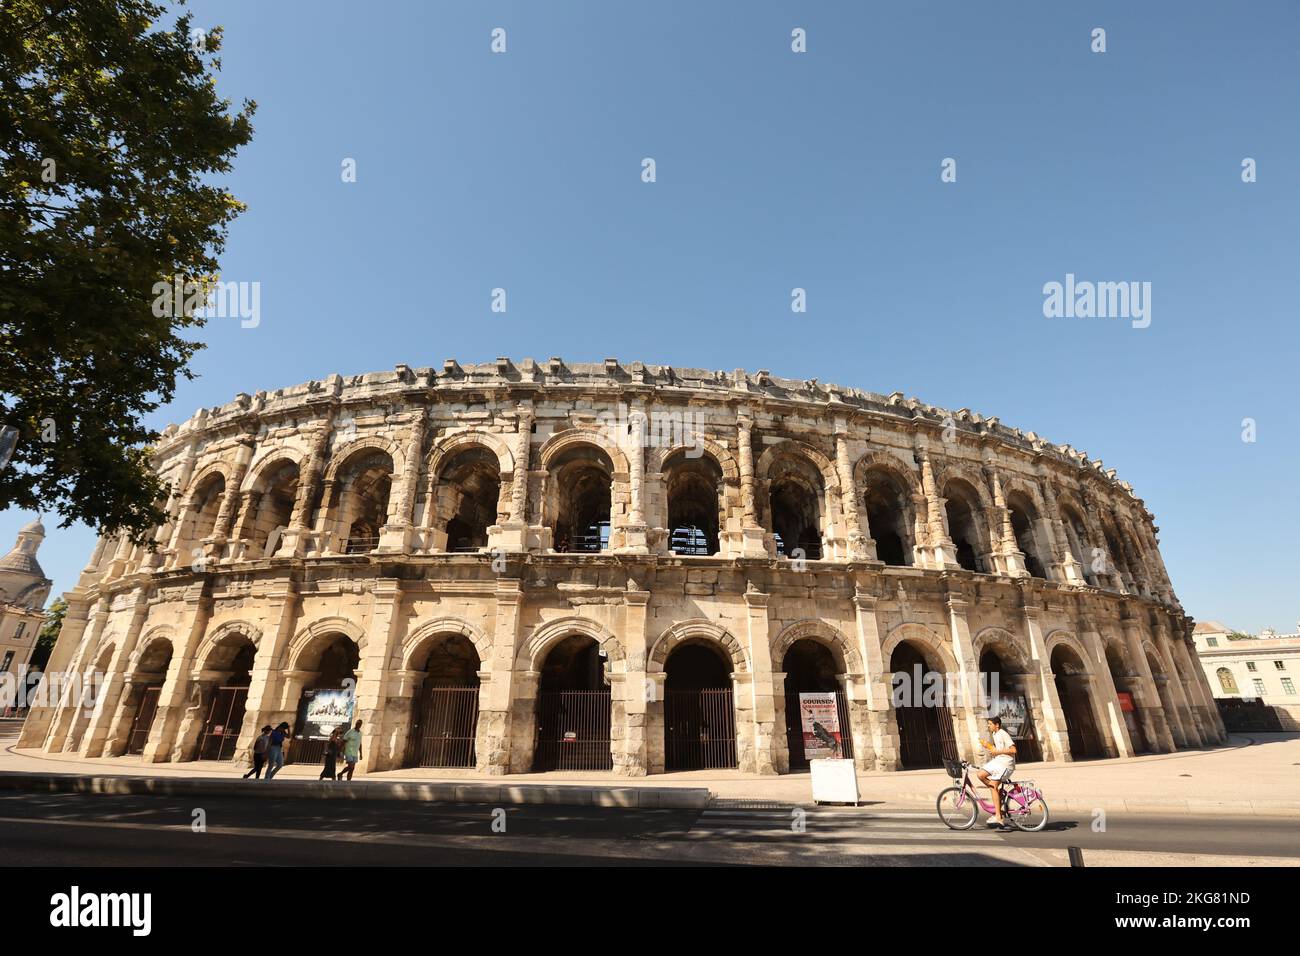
[[101, 830]]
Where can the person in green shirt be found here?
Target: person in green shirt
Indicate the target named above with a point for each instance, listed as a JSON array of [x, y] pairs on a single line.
[[351, 751]]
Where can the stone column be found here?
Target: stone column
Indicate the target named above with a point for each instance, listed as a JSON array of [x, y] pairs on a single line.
[[106, 708], [1071, 572], [1010, 557], [1054, 736], [38, 729], [383, 740], [70, 696], [395, 535], [752, 543], [941, 551], [972, 707], [513, 535], [635, 533], [176, 700], [262, 703], [295, 541], [882, 723], [1163, 739], [762, 686], [632, 758], [163, 537], [245, 524], [857, 545], [1113, 726], [507, 705], [1185, 714]]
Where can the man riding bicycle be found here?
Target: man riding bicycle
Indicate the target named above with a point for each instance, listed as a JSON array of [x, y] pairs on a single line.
[[1002, 754]]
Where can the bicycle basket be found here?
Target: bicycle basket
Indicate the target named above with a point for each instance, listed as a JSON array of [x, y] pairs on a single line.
[[953, 767]]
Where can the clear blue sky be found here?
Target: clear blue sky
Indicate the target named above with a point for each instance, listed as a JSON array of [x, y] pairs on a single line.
[[820, 170]]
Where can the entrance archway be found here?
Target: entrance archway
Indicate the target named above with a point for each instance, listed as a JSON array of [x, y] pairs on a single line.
[[147, 684], [699, 711], [445, 716], [573, 709], [811, 668], [327, 698], [234, 656], [1086, 742], [1013, 706], [925, 735], [1124, 679]]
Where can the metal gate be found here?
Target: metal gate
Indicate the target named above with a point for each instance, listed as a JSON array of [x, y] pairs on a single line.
[[143, 719], [699, 729], [794, 729], [573, 730], [225, 718], [442, 734], [1086, 742], [925, 737]]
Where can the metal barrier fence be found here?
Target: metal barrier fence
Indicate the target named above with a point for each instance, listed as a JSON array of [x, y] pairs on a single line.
[[443, 732], [573, 730], [699, 729]]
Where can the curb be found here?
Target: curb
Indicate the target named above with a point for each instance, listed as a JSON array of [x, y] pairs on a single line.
[[627, 798], [1189, 805]]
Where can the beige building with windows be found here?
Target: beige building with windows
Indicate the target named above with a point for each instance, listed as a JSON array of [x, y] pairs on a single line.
[[23, 591], [1265, 667], [524, 566]]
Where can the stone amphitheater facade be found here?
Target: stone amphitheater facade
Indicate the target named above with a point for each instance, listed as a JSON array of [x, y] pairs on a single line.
[[463, 527]]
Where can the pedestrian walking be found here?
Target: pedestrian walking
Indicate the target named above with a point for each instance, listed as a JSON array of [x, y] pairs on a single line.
[[333, 747], [258, 750], [351, 750], [275, 749]]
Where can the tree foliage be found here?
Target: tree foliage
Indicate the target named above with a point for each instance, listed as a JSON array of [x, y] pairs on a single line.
[[111, 136]]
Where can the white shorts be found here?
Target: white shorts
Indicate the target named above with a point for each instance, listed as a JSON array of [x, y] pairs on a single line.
[[998, 771]]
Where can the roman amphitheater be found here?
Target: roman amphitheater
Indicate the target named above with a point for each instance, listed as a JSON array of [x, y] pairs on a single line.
[[523, 566]]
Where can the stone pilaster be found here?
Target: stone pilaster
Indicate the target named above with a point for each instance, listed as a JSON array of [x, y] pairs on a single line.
[[1162, 739], [396, 532], [1113, 726], [295, 540], [752, 539], [881, 722], [106, 714], [632, 758], [1054, 736], [177, 701], [768, 737]]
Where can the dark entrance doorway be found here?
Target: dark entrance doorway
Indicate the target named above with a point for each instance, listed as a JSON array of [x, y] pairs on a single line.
[[1071, 687], [143, 722], [226, 706], [445, 716], [810, 668], [336, 668], [1013, 708], [925, 736], [573, 709], [1124, 680], [699, 713]]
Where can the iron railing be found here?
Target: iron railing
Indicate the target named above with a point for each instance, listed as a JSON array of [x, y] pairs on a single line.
[[225, 718], [143, 722], [442, 734], [699, 729], [573, 730]]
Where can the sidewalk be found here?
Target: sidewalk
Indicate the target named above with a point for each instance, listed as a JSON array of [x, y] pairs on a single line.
[[1256, 774]]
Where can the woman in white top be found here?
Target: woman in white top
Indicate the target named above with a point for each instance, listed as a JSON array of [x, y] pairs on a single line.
[[1002, 761]]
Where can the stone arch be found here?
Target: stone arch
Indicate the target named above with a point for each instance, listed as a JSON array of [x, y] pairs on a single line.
[[317, 631], [658, 457], [961, 471], [415, 641], [939, 657], [219, 633], [889, 462], [1069, 639], [354, 449], [1006, 646], [545, 636], [846, 656], [448, 447], [793, 447], [562, 441], [261, 472], [695, 629], [161, 633], [203, 475]]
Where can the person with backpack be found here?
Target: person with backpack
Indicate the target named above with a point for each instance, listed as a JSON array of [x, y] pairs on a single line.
[[258, 751]]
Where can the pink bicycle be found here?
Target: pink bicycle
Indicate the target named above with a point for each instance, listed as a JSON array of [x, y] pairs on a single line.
[[1022, 806]]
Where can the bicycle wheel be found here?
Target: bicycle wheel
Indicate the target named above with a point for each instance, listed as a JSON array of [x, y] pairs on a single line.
[[1030, 817], [956, 812]]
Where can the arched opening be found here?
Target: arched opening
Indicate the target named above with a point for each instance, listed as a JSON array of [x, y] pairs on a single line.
[[795, 494], [699, 712], [232, 659], [888, 507], [694, 487], [146, 688], [468, 499], [1119, 563], [925, 735], [967, 527], [1009, 700], [328, 697], [1163, 691], [816, 713], [1125, 680], [363, 490], [1077, 535], [444, 718], [573, 708], [205, 507], [95, 680], [1024, 525], [1072, 689], [275, 508], [581, 492]]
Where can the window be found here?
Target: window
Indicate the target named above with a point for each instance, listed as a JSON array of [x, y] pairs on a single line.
[[1211, 642], [1279, 665], [22, 627], [9, 656], [1250, 666], [1259, 687], [1288, 687], [1227, 681]]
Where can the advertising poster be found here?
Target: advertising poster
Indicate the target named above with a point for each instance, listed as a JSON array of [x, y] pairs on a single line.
[[324, 709], [1015, 716], [820, 720]]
